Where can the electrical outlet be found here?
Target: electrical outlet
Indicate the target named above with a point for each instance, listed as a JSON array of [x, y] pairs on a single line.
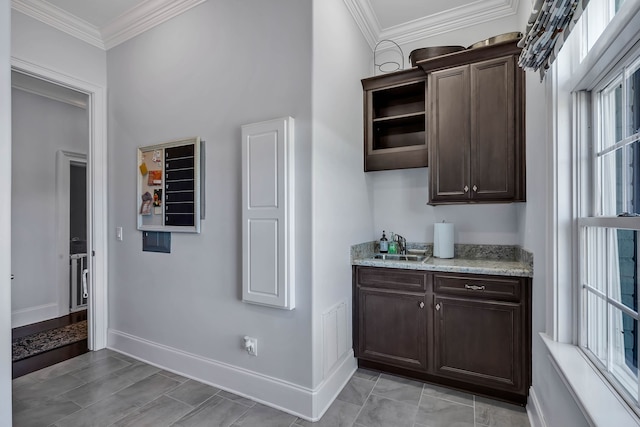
[[251, 345]]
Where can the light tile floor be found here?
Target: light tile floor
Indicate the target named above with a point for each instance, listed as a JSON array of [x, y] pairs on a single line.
[[106, 388]]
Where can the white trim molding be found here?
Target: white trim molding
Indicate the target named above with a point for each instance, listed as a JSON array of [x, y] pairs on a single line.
[[60, 19], [41, 88], [97, 183], [366, 19], [599, 403], [475, 13], [30, 315], [534, 410], [297, 400], [64, 159], [143, 17], [133, 22]]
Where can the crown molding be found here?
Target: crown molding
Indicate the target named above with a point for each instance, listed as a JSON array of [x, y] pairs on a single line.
[[475, 13], [478, 12], [133, 22], [60, 19], [142, 18], [366, 20]]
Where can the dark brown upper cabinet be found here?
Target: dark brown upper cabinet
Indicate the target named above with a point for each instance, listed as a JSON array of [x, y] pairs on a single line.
[[476, 136], [395, 120]]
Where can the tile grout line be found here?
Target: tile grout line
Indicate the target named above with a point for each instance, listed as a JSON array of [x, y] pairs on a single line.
[[419, 402], [368, 396], [475, 424]]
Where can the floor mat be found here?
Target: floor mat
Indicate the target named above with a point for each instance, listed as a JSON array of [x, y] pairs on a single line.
[[48, 340]]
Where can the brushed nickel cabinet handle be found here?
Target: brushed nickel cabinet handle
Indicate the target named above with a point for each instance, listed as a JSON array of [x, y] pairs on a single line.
[[438, 306], [474, 287], [475, 188], [421, 305], [466, 188]]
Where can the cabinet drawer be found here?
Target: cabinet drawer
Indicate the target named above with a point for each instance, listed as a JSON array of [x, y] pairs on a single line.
[[389, 278], [488, 287]]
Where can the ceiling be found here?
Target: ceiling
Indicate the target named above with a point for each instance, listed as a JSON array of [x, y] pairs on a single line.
[[107, 23]]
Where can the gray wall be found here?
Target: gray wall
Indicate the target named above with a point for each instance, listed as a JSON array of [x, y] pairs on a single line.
[[342, 207], [207, 72], [554, 400], [41, 127]]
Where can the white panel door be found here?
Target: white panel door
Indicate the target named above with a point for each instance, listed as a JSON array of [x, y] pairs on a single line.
[[267, 213]]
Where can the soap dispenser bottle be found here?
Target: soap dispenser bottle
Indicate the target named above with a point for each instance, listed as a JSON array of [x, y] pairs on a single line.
[[384, 244], [393, 248]]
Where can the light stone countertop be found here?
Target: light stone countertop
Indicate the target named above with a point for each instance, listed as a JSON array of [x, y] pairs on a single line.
[[495, 260]]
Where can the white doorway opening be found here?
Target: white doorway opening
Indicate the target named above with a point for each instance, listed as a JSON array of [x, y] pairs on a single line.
[[71, 236], [96, 162]]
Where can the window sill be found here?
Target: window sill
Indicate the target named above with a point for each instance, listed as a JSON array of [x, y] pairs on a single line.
[[600, 404]]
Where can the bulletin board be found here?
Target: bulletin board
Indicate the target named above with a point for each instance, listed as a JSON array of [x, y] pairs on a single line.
[[169, 186]]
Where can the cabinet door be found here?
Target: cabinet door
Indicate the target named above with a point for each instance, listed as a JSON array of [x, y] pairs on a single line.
[[268, 214], [449, 134], [479, 342], [392, 327], [492, 129]]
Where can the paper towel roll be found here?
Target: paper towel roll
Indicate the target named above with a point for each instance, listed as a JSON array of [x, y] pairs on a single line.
[[443, 240]]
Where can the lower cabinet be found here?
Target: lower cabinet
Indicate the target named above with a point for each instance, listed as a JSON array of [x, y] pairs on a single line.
[[393, 327], [478, 341], [470, 332]]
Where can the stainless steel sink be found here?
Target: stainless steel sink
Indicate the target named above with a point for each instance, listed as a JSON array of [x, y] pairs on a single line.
[[399, 257]]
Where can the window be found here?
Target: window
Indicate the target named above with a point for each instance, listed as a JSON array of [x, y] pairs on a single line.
[[594, 20], [609, 232]]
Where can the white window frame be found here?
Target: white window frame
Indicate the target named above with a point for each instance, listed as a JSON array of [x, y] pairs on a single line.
[[571, 80], [571, 75], [589, 212]]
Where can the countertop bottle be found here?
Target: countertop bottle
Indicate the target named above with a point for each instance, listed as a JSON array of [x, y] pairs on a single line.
[[384, 244], [393, 248]]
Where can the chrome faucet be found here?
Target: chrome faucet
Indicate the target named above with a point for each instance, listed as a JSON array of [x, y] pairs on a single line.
[[402, 244]]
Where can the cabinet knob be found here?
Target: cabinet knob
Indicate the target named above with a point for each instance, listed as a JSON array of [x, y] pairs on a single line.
[[438, 306], [466, 188], [421, 305], [475, 188]]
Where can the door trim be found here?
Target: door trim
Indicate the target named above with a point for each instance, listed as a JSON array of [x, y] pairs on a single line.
[[97, 185], [64, 160]]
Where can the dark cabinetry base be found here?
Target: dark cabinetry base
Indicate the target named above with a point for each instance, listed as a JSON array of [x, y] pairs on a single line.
[[467, 331]]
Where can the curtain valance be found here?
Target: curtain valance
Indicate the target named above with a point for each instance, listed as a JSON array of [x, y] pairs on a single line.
[[548, 27]]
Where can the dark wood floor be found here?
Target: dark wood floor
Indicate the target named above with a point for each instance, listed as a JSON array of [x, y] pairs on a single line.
[[51, 357]]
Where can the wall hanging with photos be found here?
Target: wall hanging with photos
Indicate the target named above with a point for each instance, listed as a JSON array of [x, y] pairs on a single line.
[[170, 186]]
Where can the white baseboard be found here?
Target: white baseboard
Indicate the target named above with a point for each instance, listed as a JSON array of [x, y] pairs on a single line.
[[301, 401], [328, 390], [534, 411], [30, 315]]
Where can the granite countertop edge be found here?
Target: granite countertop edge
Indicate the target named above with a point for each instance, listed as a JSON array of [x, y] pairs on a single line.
[[497, 260]]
